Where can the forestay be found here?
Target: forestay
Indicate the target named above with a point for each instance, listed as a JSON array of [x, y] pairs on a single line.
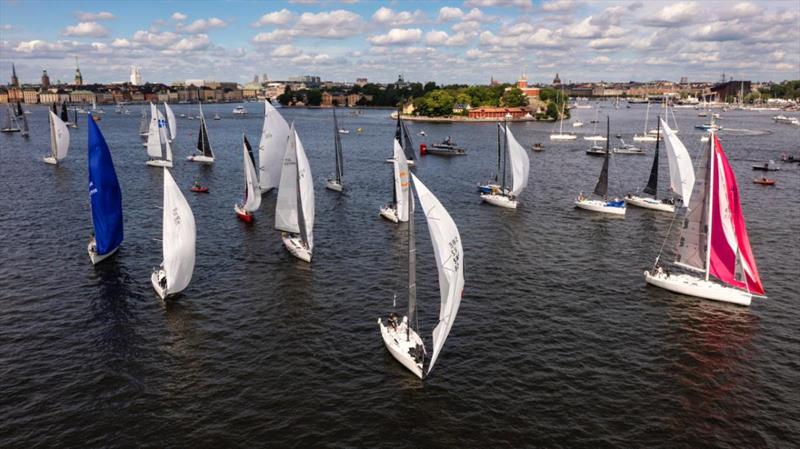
[[449, 263], [401, 182], [178, 237], [681, 172], [272, 148], [520, 164]]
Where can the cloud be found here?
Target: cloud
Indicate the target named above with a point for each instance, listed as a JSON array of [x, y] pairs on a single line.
[[441, 38], [720, 31], [39, 46], [179, 16], [744, 10], [281, 17], [192, 43], [285, 51], [524, 4], [155, 39], [608, 43], [337, 24], [386, 15], [397, 36], [91, 16], [676, 14], [599, 60], [84, 29], [279, 35], [584, 30], [202, 25], [448, 13], [121, 43], [560, 5]]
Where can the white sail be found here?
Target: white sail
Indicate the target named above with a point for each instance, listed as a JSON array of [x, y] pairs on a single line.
[[286, 204], [253, 195], [173, 126], [306, 187], [274, 135], [153, 134], [681, 172], [449, 263], [60, 135], [178, 237], [400, 182], [168, 150], [520, 164]]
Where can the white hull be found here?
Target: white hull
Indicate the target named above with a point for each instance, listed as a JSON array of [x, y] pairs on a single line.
[[600, 206], [334, 185], [159, 163], [97, 258], [399, 344], [563, 137], [694, 286], [295, 247], [499, 200], [635, 151], [595, 138], [649, 203], [154, 279], [50, 160], [200, 158], [638, 138], [390, 213]]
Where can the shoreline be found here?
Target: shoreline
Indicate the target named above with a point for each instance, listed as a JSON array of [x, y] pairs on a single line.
[[421, 118]]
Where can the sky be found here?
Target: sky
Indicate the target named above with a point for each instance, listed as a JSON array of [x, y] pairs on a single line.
[[466, 42]]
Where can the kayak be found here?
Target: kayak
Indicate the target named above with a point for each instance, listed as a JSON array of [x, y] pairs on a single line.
[[199, 189], [764, 181]]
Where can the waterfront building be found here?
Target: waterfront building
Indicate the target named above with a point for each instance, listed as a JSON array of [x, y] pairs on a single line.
[[49, 97], [30, 96], [3, 96], [82, 96], [496, 113]]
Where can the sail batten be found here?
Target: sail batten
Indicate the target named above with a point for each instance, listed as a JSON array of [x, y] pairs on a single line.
[[692, 245]]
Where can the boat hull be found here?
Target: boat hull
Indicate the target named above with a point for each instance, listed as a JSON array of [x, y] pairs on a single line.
[[159, 163], [390, 213], [563, 137], [445, 152], [644, 138], [154, 279], [649, 203], [694, 286], [499, 200], [201, 159], [600, 206], [334, 185], [243, 215], [50, 160], [398, 345], [295, 247], [97, 258]]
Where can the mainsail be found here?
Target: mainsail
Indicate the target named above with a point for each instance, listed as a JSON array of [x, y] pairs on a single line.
[[143, 124], [178, 236], [272, 148], [520, 164], [252, 195], [105, 194], [652, 183], [286, 204], [691, 251], [305, 195], [173, 125], [681, 172], [154, 134], [203, 145], [59, 137], [449, 255], [601, 188], [401, 183]]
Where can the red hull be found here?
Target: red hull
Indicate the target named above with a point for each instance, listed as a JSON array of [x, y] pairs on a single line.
[[245, 217], [199, 190], [764, 182]]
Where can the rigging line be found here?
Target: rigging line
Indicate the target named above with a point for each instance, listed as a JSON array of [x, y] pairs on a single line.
[[664, 242]]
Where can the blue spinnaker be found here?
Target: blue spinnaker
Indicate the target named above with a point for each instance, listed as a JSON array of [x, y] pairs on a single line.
[[104, 193]]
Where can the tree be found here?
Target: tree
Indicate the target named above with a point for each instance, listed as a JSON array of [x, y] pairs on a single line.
[[552, 110], [513, 98], [429, 86], [287, 97], [314, 97]]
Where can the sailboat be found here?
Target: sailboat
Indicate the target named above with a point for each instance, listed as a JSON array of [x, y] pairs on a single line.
[[294, 208], [595, 137], [95, 109], [614, 207], [23, 124], [64, 114], [335, 183], [158, 147], [204, 155], [143, 125], [59, 140], [74, 123], [681, 174], [517, 159], [173, 125], [105, 198], [274, 137], [178, 235], [713, 240], [645, 137], [401, 339], [252, 195], [397, 210], [10, 124], [494, 185], [402, 135], [561, 135]]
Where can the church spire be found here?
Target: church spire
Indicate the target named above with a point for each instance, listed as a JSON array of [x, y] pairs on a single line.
[[78, 76], [14, 79]]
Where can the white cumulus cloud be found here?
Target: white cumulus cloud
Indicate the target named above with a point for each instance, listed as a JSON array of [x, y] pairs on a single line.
[[281, 17], [337, 24], [84, 29], [179, 16], [202, 25], [397, 36], [389, 16], [91, 16]]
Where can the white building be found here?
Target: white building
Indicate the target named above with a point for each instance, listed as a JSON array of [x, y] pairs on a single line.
[[136, 75]]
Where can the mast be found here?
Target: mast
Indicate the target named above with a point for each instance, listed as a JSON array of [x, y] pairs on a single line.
[[337, 146], [710, 199], [652, 183], [601, 188], [563, 103], [412, 263]]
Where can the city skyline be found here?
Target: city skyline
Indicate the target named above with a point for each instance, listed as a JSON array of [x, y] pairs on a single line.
[[447, 42]]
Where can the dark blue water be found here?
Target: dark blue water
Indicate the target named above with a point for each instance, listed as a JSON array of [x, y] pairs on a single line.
[[558, 343]]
